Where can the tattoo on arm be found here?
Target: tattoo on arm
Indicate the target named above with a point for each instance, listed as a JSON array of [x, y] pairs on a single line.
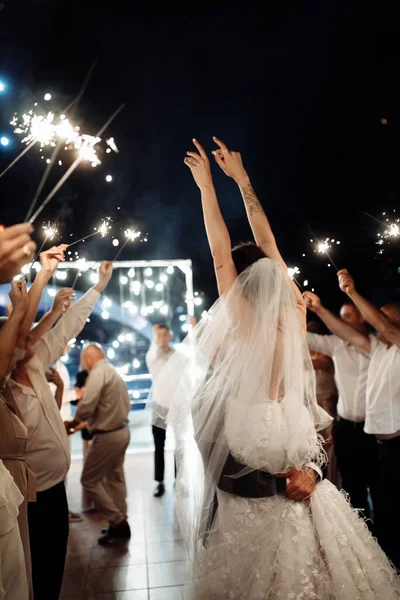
[[251, 200]]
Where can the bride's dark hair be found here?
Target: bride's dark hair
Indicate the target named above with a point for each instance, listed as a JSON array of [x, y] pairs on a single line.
[[246, 254]]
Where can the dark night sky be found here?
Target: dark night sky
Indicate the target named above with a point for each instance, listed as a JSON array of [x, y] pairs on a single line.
[[300, 91]]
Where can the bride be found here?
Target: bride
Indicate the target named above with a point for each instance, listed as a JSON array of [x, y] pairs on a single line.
[[257, 520]]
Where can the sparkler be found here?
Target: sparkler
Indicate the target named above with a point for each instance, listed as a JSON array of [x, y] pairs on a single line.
[[72, 168], [81, 266], [323, 247], [131, 235], [103, 229], [391, 231], [293, 271]]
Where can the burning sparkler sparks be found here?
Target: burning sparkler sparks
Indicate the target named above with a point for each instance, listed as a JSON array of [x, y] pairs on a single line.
[[131, 235], [49, 230], [324, 247], [103, 229], [293, 271], [47, 130]]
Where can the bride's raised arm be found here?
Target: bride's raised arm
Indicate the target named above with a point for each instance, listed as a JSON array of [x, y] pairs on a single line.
[[232, 165], [217, 232]]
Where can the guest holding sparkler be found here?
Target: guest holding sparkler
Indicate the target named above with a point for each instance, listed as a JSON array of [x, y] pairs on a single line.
[[383, 410], [48, 450], [354, 448]]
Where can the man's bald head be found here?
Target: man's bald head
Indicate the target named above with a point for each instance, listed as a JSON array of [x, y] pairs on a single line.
[[91, 354]]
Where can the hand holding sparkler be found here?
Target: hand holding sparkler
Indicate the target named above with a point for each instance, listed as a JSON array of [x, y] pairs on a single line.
[[18, 298], [16, 249], [312, 301], [105, 274], [346, 282], [62, 301], [49, 259]]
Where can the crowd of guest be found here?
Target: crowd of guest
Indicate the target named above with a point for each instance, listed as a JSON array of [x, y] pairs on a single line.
[[36, 421]]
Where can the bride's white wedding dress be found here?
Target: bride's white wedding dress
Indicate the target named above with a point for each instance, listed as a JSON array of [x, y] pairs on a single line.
[[274, 548], [242, 393]]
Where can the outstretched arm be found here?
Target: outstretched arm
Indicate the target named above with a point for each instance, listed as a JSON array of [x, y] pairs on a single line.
[[60, 305], [217, 231], [9, 331], [49, 261], [375, 317], [232, 165], [335, 325]]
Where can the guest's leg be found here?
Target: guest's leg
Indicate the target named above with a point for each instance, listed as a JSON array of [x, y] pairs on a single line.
[[48, 532], [159, 462], [87, 501], [13, 581], [349, 445], [116, 485], [387, 520], [104, 457]]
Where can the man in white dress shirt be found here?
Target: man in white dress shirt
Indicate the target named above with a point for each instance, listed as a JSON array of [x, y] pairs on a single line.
[[383, 410], [48, 448], [156, 358], [355, 450]]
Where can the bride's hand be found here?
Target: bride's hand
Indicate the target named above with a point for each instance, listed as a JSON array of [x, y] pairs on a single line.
[[199, 165], [301, 483], [230, 162]]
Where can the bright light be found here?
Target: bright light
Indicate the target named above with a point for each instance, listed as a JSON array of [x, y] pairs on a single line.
[[129, 337], [37, 266], [123, 280], [115, 344], [182, 318], [305, 283], [51, 292], [105, 314], [136, 395], [131, 273], [198, 301], [109, 178], [65, 358], [111, 353], [4, 141], [25, 269], [163, 278], [148, 272], [136, 363], [186, 327], [61, 275], [150, 310], [106, 303], [2, 86], [170, 270], [136, 287], [164, 309], [159, 287], [204, 314], [149, 283], [144, 311], [94, 278], [115, 243], [121, 338], [47, 97]]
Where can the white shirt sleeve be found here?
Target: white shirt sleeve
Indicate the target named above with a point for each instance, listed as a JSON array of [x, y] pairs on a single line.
[[326, 344], [152, 356], [52, 345]]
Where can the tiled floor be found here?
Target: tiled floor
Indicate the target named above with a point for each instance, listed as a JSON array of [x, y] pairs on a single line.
[[150, 567]]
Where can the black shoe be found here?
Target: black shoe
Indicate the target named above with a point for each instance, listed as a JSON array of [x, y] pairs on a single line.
[[159, 490], [114, 533]]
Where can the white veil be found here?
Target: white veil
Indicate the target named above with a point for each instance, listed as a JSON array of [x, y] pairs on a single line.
[[243, 368]]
